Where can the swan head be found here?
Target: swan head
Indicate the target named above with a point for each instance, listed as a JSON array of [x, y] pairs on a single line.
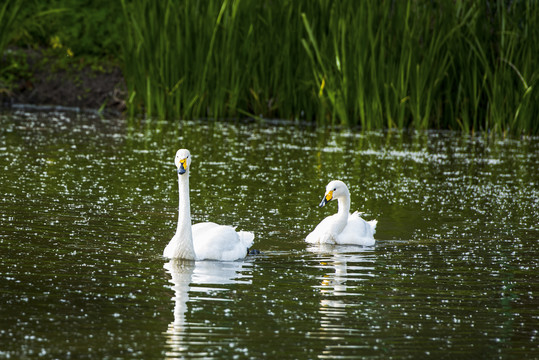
[[182, 161], [336, 189]]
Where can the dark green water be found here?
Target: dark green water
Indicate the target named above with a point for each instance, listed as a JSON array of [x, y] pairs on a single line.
[[87, 206]]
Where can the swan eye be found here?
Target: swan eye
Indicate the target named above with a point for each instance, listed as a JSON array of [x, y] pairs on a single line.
[[335, 189]]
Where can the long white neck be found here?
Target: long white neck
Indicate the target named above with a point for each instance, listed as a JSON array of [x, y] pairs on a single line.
[[343, 213], [184, 237]]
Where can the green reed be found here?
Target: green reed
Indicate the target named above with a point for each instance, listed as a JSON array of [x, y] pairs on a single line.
[[446, 64], [494, 74], [216, 59], [8, 15]]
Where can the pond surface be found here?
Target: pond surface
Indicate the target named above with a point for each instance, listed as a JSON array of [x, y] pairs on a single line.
[[87, 206]]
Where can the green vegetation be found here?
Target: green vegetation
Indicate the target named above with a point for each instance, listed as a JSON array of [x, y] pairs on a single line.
[[467, 65], [8, 15]]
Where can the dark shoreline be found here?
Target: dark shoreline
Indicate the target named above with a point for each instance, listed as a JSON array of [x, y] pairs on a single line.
[[48, 83]]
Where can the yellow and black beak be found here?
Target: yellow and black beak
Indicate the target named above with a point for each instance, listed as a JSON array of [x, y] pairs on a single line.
[[327, 198], [182, 166]]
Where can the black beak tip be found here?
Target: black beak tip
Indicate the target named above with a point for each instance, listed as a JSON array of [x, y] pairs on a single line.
[[181, 170]]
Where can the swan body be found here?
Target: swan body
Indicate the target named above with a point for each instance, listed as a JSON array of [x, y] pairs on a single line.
[[202, 241], [342, 227]]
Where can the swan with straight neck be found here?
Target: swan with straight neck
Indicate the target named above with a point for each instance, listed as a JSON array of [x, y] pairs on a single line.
[[202, 241]]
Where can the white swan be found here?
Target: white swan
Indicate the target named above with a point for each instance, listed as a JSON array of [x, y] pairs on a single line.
[[343, 227], [202, 241]]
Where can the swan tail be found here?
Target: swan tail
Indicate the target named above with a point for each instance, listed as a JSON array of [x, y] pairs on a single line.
[[246, 238], [372, 224]]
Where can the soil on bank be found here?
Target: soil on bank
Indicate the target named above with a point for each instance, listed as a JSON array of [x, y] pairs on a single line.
[[34, 77]]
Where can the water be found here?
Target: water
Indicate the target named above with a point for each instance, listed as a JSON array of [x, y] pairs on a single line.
[[87, 206]]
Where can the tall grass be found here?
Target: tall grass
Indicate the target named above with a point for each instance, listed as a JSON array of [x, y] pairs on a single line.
[[214, 58], [468, 65], [494, 69], [9, 11]]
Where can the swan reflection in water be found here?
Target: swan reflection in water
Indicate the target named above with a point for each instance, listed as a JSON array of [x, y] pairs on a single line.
[[186, 278], [345, 269], [348, 264]]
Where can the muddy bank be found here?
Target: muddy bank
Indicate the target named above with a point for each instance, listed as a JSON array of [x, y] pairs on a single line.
[[34, 77]]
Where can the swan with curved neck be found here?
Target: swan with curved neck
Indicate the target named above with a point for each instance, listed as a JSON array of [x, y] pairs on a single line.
[[342, 227], [202, 241]]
